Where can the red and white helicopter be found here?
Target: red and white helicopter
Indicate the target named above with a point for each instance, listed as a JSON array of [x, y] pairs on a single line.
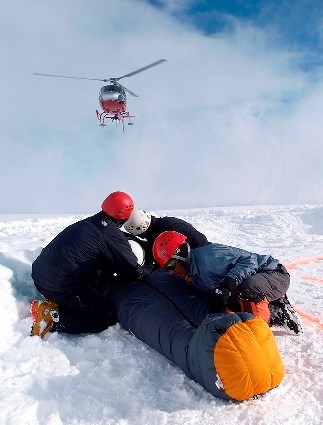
[[112, 97]]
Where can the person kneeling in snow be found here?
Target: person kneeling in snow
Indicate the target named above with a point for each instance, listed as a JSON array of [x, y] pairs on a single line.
[[69, 269], [234, 278]]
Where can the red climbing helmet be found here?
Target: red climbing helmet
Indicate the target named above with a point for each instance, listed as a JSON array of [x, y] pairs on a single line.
[[118, 205], [166, 245]]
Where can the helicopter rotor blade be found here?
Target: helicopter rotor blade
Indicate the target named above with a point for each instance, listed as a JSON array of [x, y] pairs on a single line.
[[108, 80], [77, 78], [128, 91], [142, 69]]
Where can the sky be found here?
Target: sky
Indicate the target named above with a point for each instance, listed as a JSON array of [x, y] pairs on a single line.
[[234, 117], [113, 378]]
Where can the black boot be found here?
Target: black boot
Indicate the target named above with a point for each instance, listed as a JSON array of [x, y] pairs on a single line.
[[282, 314]]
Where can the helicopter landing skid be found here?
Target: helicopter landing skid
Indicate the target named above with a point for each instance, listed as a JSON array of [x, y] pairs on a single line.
[[101, 118], [118, 117]]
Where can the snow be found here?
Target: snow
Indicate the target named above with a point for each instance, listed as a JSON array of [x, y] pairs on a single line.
[[113, 378]]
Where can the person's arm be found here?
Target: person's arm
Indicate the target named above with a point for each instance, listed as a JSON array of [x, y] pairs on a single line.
[[195, 239], [125, 259], [245, 266]]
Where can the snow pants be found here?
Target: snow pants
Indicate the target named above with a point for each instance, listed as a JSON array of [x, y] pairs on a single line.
[[257, 291], [270, 284]]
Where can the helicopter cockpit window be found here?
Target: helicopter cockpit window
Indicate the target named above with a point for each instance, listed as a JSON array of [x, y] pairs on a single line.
[[118, 89], [107, 89]]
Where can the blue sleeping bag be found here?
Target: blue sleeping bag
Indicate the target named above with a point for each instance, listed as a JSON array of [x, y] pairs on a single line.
[[232, 355]]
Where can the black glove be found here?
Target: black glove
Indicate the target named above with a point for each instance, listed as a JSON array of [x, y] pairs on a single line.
[[219, 300], [227, 288], [229, 283], [226, 294]]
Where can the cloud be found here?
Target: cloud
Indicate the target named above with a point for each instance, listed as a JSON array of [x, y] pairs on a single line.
[[225, 121], [174, 6]]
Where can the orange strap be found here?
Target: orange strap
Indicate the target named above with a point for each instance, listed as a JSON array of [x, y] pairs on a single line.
[[303, 262], [309, 318], [312, 279]]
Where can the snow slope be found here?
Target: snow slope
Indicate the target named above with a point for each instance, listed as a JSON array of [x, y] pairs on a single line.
[[113, 378]]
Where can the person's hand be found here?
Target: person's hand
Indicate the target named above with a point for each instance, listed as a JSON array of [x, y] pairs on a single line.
[[219, 300], [227, 287], [225, 296], [229, 283]]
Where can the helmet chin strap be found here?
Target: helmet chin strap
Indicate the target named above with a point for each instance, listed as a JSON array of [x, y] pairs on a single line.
[[188, 279], [186, 259]]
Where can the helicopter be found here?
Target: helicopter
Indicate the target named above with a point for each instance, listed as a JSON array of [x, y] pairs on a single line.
[[113, 96]]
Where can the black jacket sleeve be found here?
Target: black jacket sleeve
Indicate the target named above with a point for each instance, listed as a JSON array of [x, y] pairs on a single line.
[[195, 238]]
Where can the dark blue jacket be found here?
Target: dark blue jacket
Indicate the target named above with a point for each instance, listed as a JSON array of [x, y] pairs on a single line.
[[209, 265]]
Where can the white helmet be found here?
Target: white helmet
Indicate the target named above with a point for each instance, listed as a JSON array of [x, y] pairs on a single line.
[[138, 250], [138, 222]]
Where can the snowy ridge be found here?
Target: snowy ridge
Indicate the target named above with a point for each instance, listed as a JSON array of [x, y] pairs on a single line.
[[113, 378]]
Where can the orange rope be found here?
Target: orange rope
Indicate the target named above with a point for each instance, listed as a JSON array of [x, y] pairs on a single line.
[[312, 279], [309, 318], [303, 262]]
